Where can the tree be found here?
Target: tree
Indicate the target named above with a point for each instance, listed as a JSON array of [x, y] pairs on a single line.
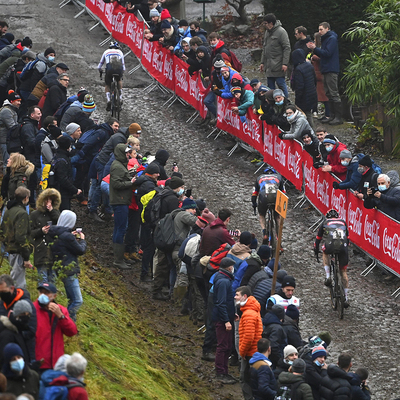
[[240, 7]]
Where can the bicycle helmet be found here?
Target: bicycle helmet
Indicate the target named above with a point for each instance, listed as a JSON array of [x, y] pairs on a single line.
[[332, 214], [269, 170], [114, 45]]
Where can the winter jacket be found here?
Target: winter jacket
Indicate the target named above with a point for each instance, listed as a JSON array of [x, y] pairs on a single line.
[[214, 235], [28, 134], [69, 115], [353, 177], [276, 115], [246, 101], [28, 382], [292, 332], [49, 335], [359, 391], [161, 159], [46, 82], [281, 366], [39, 70], [56, 95], [12, 50], [4, 42], [82, 119], [303, 391], [66, 248], [63, 174], [8, 118], [250, 327], [201, 63], [334, 161], [335, 385], [120, 180], [120, 137], [238, 253], [38, 219], [313, 376], [221, 49], [224, 306], [298, 125], [183, 222], [370, 177], [313, 150], [77, 392], [247, 268], [173, 40], [226, 92], [12, 181], [388, 203], [275, 333], [144, 184], [276, 51], [263, 382], [302, 44], [48, 149], [328, 53], [42, 133], [169, 201], [304, 82]]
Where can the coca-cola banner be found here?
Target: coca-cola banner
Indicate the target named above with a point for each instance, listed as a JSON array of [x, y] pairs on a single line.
[[132, 33], [103, 11]]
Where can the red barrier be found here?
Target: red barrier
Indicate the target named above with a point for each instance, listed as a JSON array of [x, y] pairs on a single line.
[[103, 11], [133, 35]]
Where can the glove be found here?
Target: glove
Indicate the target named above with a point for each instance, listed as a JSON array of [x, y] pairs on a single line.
[[335, 185], [217, 92], [243, 119], [280, 136], [316, 251], [101, 74]]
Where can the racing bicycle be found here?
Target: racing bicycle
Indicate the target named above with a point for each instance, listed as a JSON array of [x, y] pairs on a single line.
[[336, 289], [115, 97], [270, 226]]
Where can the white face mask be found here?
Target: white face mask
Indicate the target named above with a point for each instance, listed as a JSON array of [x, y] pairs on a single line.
[[180, 192]]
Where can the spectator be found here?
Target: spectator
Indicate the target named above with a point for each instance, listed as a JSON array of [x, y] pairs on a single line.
[[334, 148], [218, 47], [276, 114], [6, 40], [276, 53], [311, 146], [3, 28], [284, 296], [245, 98], [291, 326], [74, 109], [353, 177], [184, 32], [299, 389], [240, 251], [298, 124], [316, 370], [53, 322], [201, 62], [82, 117], [196, 31], [359, 388], [302, 39], [49, 123], [170, 35], [153, 34], [368, 177], [161, 159], [56, 96], [290, 354]]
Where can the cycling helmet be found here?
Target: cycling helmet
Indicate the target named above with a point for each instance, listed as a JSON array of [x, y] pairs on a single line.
[[114, 45], [269, 170], [332, 214]]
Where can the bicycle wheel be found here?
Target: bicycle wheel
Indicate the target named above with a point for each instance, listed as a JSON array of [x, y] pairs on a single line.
[[333, 287], [117, 102], [340, 292], [113, 99]]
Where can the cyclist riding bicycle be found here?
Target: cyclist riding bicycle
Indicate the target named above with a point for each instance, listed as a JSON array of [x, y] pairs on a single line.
[[265, 190], [333, 231], [115, 65]]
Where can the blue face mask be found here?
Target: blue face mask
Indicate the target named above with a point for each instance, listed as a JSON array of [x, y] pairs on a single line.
[[279, 103], [290, 117], [329, 148], [180, 192], [17, 365], [344, 163], [382, 188], [318, 363], [43, 299], [181, 31], [51, 58]]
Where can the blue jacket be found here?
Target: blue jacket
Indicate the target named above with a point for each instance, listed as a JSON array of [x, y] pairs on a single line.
[[226, 92], [358, 393], [263, 382], [353, 177], [185, 35], [328, 53], [224, 306]]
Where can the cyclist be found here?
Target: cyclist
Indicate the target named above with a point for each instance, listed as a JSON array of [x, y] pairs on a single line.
[[115, 65], [335, 235], [265, 190]]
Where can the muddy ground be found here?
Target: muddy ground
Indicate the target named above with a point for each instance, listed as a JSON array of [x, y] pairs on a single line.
[[370, 327]]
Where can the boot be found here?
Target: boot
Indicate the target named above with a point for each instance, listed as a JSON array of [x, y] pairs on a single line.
[[332, 110], [119, 261], [338, 114], [93, 215]]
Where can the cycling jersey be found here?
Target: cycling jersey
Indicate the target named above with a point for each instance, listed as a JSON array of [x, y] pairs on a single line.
[[277, 299], [113, 58]]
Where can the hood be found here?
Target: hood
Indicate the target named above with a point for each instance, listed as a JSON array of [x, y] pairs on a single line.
[[238, 77], [63, 380], [7, 103], [107, 128], [124, 131], [219, 44], [256, 257], [251, 304], [355, 379], [259, 357], [298, 57], [216, 223], [394, 178], [53, 194], [8, 324], [328, 35], [203, 49], [76, 103], [120, 154], [26, 169], [287, 378], [57, 231], [276, 26], [296, 117], [41, 57], [271, 318], [240, 248], [335, 372], [67, 219], [162, 156]]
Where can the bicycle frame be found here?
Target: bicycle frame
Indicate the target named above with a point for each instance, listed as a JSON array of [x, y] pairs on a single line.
[[336, 289]]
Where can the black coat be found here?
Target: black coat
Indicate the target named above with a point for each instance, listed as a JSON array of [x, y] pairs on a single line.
[[292, 331], [274, 332], [63, 174], [304, 82], [169, 202], [28, 136], [388, 203], [371, 177], [83, 120], [56, 95], [108, 148], [358, 390], [314, 376], [144, 184], [161, 159], [336, 385]]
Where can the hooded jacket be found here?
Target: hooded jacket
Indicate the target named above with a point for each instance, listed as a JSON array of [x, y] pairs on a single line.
[[214, 235], [336, 385], [42, 256], [359, 391], [8, 118], [328, 53], [226, 92], [238, 253], [276, 51], [56, 96], [263, 382], [353, 177], [250, 327], [275, 333], [303, 390], [298, 125], [28, 134], [20, 177], [120, 137], [70, 114], [39, 70], [334, 161], [120, 180], [144, 185], [224, 306], [221, 49]]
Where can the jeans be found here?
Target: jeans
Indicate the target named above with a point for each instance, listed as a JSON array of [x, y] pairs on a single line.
[[132, 233], [245, 378], [147, 245], [280, 81], [224, 348], [17, 270], [209, 101], [5, 156], [74, 295], [95, 187], [105, 190], [45, 274], [331, 86], [120, 222]]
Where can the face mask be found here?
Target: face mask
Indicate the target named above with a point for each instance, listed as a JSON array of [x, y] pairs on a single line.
[[43, 300], [21, 322], [319, 364], [7, 297], [360, 170], [181, 31], [17, 365], [192, 32], [279, 103], [382, 188], [180, 192], [344, 163], [51, 58], [329, 148], [290, 117], [213, 45], [288, 362]]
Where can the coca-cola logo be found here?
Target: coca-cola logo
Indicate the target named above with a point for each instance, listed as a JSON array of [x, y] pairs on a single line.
[[339, 203], [131, 29], [100, 4], [194, 89], [279, 150], [227, 116], [269, 142], [118, 23], [391, 245], [354, 219], [294, 163], [109, 12], [371, 232], [181, 78], [168, 71], [147, 50], [309, 177], [93, 2], [158, 60], [323, 192]]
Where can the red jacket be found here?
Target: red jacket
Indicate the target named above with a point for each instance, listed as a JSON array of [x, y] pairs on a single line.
[[74, 393], [46, 337], [334, 161], [213, 236]]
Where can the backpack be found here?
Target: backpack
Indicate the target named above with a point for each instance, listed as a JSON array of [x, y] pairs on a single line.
[[14, 142], [145, 200], [59, 392], [236, 64], [51, 180], [288, 392], [87, 135], [165, 237], [217, 256], [151, 212], [334, 235], [27, 72], [61, 110], [375, 166]]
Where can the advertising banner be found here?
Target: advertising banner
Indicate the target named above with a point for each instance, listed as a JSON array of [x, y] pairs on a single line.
[[103, 11], [133, 34]]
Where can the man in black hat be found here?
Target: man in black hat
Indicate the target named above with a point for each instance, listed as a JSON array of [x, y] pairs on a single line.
[[284, 296], [368, 179]]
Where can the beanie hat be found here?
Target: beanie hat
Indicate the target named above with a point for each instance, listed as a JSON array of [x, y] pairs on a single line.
[[219, 63], [165, 14], [245, 238], [152, 168], [154, 13], [289, 281], [26, 41], [11, 350], [201, 204], [280, 275], [224, 69], [365, 161], [9, 36], [81, 95], [64, 142], [183, 22], [345, 154], [254, 82], [30, 54], [88, 104], [326, 337], [12, 96], [236, 89], [71, 128], [22, 306], [318, 351], [279, 311], [54, 131], [48, 51], [208, 215], [264, 252], [226, 262], [329, 139], [293, 312], [278, 92], [299, 366], [188, 204], [134, 128], [176, 182], [306, 132], [165, 25], [288, 350]]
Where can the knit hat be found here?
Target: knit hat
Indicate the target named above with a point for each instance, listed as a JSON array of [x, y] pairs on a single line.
[[60, 364], [289, 281], [152, 168], [326, 337], [12, 96], [26, 42], [365, 161], [288, 350], [81, 94], [264, 252], [208, 215], [47, 285], [64, 142], [11, 350], [293, 312], [183, 22], [188, 204], [88, 104], [201, 204], [165, 14], [30, 54], [318, 351], [225, 69], [280, 275], [279, 311], [329, 139], [71, 128], [226, 262], [54, 131], [236, 89], [345, 154], [22, 306], [134, 129], [176, 182], [278, 92], [305, 133], [48, 51], [263, 88], [9, 36], [165, 24], [219, 63], [299, 366], [245, 238], [154, 13], [254, 81]]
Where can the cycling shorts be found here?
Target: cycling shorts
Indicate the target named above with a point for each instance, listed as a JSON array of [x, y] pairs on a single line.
[[262, 207], [343, 256], [110, 73]]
